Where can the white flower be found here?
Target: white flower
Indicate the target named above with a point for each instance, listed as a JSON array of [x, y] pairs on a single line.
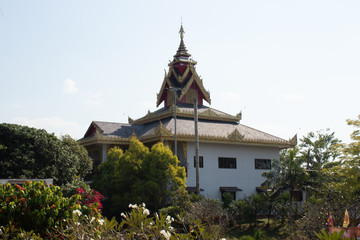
[[223, 239], [169, 219], [143, 205], [171, 228], [151, 223], [101, 221], [92, 219], [166, 234], [123, 215], [77, 212], [146, 212], [133, 205], [77, 223]]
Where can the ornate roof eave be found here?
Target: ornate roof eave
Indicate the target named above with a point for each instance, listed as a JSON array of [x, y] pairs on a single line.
[[219, 140], [162, 89], [205, 115], [161, 134], [101, 139]]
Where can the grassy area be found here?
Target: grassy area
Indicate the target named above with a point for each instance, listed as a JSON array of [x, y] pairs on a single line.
[[244, 231]]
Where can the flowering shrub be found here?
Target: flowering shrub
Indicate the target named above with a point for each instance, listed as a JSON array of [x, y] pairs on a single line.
[[38, 208], [89, 197], [38, 212], [138, 224]]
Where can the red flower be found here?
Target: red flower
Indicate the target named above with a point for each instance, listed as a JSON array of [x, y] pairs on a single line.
[[80, 190], [19, 187]]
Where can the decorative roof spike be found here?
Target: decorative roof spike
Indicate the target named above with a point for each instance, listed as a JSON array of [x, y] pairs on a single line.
[[130, 120], [182, 49], [181, 32]]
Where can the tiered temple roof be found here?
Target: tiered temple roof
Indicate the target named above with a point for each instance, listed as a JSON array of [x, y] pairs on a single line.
[[214, 126]]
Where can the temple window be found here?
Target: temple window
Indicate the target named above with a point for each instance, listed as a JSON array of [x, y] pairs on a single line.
[[225, 162], [201, 162], [263, 164]]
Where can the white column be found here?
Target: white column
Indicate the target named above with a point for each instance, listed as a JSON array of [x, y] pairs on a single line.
[[103, 152]]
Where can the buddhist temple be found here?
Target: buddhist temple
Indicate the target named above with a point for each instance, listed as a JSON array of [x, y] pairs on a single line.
[[232, 156]]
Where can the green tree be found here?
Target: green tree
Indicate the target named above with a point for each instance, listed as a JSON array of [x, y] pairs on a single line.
[[351, 151], [318, 151], [139, 175], [346, 174], [287, 174], [33, 153]]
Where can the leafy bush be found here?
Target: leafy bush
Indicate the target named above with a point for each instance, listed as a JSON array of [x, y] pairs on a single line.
[[211, 214], [246, 210], [89, 197], [36, 207], [136, 224], [323, 235], [34, 153], [139, 175]]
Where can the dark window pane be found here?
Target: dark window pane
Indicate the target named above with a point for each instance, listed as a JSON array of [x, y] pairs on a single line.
[[227, 162], [262, 164], [201, 162]]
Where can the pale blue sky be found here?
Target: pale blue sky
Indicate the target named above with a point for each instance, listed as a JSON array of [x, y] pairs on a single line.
[[290, 66]]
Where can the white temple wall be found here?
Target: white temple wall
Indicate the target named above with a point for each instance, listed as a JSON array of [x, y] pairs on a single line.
[[244, 176]]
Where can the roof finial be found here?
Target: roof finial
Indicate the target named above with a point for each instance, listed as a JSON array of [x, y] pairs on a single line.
[[182, 49], [181, 32]]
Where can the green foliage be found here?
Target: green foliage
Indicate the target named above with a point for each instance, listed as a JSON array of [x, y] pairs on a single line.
[[36, 207], [89, 197], [319, 149], [334, 236], [227, 199], [72, 152], [352, 150], [287, 175], [140, 175], [346, 174], [258, 235], [211, 214], [246, 210], [136, 224], [33, 153]]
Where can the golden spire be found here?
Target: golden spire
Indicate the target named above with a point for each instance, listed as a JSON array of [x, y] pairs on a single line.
[[181, 32], [182, 49]]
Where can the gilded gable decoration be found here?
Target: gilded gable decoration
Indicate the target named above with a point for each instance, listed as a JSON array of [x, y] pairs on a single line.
[[130, 120], [133, 134], [235, 135], [209, 113], [162, 131], [293, 140], [239, 115]]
